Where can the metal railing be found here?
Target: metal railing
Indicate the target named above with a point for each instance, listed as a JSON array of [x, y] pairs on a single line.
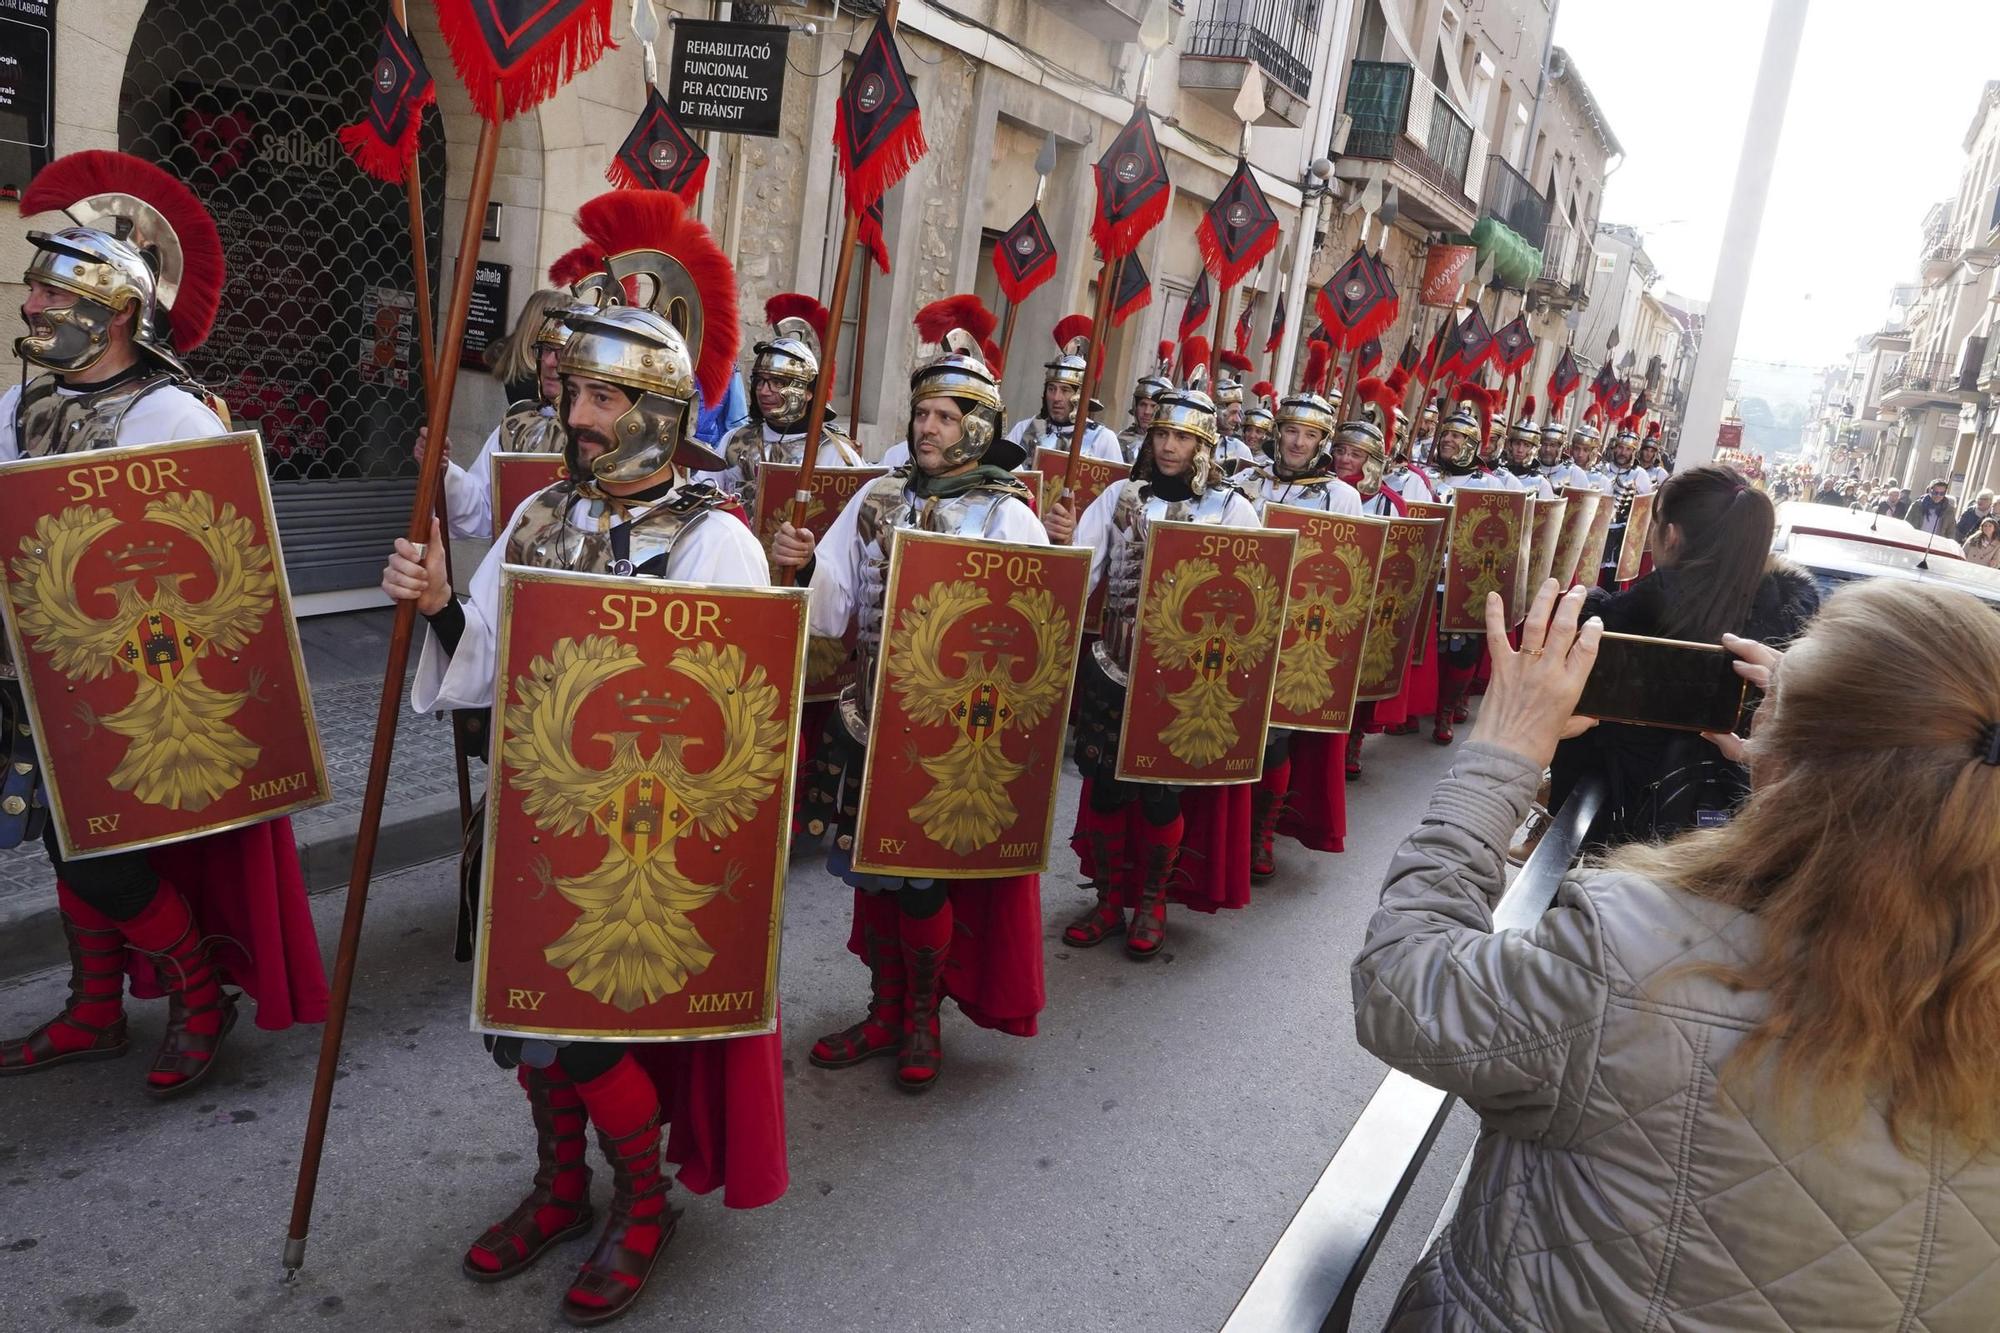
[[1279, 35], [1402, 117], [1922, 374], [1309, 1281], [1510, 198]]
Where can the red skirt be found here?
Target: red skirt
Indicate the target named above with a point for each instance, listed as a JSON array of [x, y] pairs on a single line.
[[725, 1104], [247, 893], [1214, 866], [1316, 809], [994, 968]]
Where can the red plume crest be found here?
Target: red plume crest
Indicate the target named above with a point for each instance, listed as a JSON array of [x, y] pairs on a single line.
[[78, 176], [1235, 361], [797, 305], [1194, 356], [623, 220], [573, 266], [1319, 358], [1266, 390], [964, 311], [1069, 328]]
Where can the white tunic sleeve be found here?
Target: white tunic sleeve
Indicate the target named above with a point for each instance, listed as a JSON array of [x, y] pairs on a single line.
[[1240, 513], [468, 492], [1015, 522], [1102, 442], [835, 573], [1093, 529], [897, 454], [1342, 498], [170, 413], [10, 402]]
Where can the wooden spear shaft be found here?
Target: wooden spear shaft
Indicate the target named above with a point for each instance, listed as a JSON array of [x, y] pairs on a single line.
[[1007, 323], [860, 357], [1093, 364], [420, 266], [421, 517]]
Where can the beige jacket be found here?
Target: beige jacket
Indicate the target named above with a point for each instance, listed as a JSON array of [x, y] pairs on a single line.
[[1621, 1180]]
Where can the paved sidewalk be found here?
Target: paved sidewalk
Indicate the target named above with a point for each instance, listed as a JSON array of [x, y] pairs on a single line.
[[345, 655]]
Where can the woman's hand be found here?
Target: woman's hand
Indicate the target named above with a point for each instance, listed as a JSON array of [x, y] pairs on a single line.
[[1758, 664], [1531, 702]]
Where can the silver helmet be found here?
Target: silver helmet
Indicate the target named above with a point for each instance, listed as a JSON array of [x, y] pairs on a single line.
[[644, 355], [790, 360], [971, 383], [1192, 412], [1309, 411]]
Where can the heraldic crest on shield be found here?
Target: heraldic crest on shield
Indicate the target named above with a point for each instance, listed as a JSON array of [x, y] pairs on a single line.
[[1204, 727], [1378, 648], [968, 807], [632, 941], [1484, 548], [183, 750], [1305, 680]]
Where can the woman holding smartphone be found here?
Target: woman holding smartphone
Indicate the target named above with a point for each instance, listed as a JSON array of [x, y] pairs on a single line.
[[1743, 1080], [1713, 574]]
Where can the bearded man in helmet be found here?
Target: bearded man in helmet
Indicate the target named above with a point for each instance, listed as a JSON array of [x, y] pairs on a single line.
[[632, 384]]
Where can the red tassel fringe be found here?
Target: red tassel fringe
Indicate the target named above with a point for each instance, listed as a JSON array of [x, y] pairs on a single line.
[[870, 180], [1115, 242], [1228, 275], [555, 60], [387, 162], [1133, 307], [1017, 292]]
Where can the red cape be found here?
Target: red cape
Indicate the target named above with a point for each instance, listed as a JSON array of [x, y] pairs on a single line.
[[1214, 867], [1315, 811], [248, 894], [725, 1104], [994, 969]]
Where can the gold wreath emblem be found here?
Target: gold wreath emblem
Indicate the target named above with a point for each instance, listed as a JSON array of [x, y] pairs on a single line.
[[1205, 710], [1394, 599], [632, 941], [183, 752], [1319, 612], [968, 807], [1483, 558]]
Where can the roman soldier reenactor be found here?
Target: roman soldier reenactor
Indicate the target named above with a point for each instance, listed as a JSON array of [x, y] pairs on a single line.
[[631, 391], [115, 300], [1523, 461], [530, 427], [1360, 458], [1464, 443], [1628, 478], [1650, 457], [1582, 468], [1145, 392], [1130, 836], [975, 941], [1423, 446], [1062, 387], [783, 379], [1550, 449], [1259, 422], [1232, 453], [1302, 790]]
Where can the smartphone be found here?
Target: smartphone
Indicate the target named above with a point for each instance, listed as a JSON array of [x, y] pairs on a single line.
[[1663, 683]]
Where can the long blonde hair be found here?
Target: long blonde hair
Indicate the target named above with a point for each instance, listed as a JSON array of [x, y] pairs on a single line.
[[514, 356], [1869, 850]]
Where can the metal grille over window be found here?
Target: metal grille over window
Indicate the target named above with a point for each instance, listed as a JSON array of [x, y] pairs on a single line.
[[316, 345]]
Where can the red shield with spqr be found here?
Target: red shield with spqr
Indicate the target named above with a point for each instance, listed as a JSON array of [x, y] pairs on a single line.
[[1326, 620], [1205, 654], [516, 477], [970, 706], [151, 626], [636, 813]]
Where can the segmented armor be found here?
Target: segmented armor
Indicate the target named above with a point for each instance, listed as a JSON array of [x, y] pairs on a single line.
[[1137, 510], [886, 506]]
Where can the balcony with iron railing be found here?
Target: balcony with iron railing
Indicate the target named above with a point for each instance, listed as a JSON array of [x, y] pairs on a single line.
[[1939, 256], [1401, 117], [1509, 198], [1917, 380], [1277, 36]]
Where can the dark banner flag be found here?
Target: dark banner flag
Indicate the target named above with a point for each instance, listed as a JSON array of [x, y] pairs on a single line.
[[523, 50], [1359, 302], [1132, 188], [1513, 346], [659, 155], [1277, 325], [384, 141], [1025, 256], [1133, 293], [878, 129], [1200, 305], [1238, 229]]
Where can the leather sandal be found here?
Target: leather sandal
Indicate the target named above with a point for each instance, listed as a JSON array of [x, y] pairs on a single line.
[[1095, 926], [190, 1055]]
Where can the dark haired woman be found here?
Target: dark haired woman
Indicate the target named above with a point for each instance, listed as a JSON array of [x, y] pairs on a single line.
[[1714, 574]]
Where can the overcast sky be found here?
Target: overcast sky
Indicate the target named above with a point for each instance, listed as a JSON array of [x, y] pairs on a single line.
[[1880, 103]]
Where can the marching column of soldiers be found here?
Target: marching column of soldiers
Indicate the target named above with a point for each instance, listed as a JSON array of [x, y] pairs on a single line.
[[968, 608]]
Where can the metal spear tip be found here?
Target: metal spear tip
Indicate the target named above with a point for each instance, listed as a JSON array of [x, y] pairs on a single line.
[[1045, 161], [1154, 29], [1249, 104]]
